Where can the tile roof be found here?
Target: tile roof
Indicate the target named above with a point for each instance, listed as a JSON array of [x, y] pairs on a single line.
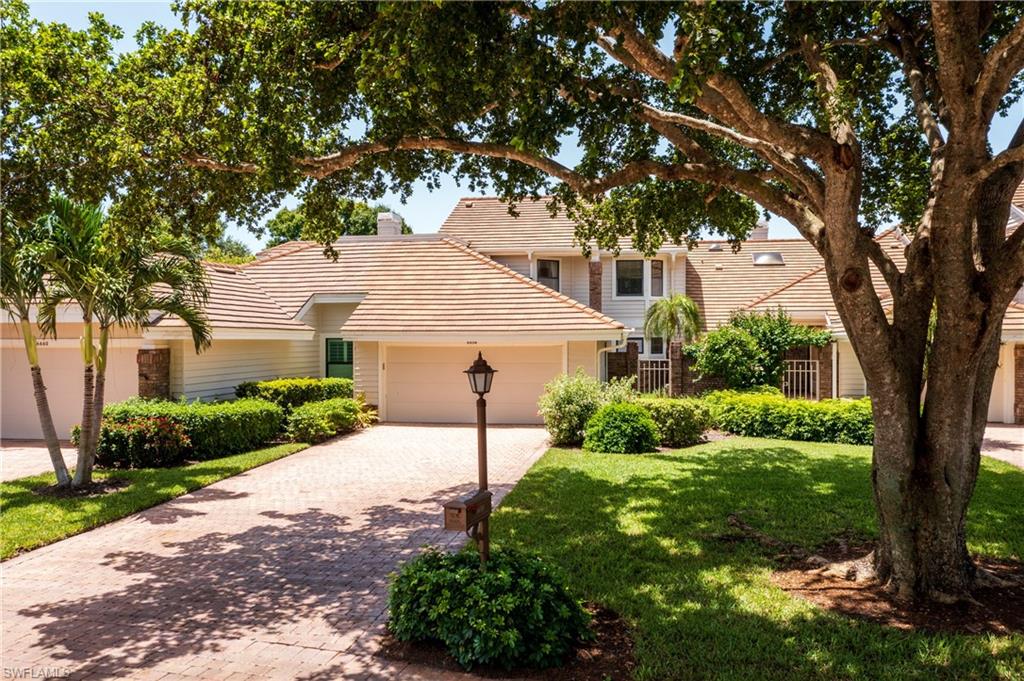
[[1018, 195], [237, 302], [484, 223], [721, 281], [423, 284]]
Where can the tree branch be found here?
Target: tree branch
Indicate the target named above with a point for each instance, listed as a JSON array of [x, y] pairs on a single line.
[[1005, 158], [1002, 63], [905, 49]]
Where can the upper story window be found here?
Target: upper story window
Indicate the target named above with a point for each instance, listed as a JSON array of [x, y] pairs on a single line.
[[657, 278], [629, 278], [657, 346], [549, 273]]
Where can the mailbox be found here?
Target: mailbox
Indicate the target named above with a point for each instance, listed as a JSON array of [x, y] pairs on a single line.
[[462, 514]]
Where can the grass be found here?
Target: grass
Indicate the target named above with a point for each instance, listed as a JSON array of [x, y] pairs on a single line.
[[29, 520], [640, 534]]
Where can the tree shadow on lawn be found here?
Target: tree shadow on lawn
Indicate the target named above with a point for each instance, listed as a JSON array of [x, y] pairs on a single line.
[[647, 536], [311, 578]]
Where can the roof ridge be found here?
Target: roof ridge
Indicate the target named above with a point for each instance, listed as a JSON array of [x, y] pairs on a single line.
[[780, 289], [561, 297], [305, 245]]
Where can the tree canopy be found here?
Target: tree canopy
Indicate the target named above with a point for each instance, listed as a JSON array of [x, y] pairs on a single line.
[[343, 217]]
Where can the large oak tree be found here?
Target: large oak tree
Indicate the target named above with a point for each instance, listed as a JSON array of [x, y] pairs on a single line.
[[837, 117]]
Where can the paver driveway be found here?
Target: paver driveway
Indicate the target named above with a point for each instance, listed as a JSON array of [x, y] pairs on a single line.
[[277, 573]]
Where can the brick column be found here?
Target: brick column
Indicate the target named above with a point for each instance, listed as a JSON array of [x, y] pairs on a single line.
[[824, 372], [154, 372], [676, 368], [1018, 383], [595, 284], [632, 359]]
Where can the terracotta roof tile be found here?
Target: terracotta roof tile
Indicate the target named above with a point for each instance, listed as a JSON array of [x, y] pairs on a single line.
[[423, 284], [237, 302]]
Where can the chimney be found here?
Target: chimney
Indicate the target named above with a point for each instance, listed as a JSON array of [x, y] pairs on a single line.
[[759, 233], [388, 224]]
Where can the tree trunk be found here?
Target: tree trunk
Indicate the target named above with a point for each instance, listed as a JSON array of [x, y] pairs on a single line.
[[43, 406], [924, 470], [49, 431], [98, 398], [83, 470]]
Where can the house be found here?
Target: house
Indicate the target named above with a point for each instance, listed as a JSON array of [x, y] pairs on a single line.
[[404, 315]]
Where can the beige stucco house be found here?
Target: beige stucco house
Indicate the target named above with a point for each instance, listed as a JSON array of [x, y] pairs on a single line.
[[404, 315]]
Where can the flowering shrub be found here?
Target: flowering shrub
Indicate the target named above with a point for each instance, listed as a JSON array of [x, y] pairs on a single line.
[[141, 443]]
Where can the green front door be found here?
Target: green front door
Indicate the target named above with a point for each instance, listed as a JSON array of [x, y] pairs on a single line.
[[339, 358]]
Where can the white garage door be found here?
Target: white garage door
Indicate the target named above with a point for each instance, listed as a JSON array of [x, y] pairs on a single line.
[[62, 373], [425, 384]]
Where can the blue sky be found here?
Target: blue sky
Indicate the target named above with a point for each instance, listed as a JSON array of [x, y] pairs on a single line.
[[424, 210]]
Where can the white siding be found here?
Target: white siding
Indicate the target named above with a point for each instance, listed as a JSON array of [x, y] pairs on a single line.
[[630, 311], [576, 278], [582, 354], [851, 378], [215, 373], [519, 263], [365, 370]]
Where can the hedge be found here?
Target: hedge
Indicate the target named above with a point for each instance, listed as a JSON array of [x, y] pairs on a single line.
[[316, 421], [289, 393], [771, 415], [214, 429], [681, 421]]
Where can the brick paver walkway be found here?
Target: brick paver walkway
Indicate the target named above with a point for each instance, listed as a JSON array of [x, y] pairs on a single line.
[[22, 458], [280, 573]]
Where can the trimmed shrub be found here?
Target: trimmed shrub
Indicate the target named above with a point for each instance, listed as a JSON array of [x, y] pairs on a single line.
[[214, 429], [515, 613], [140, 443], [773, 416], [569, 402], [681, 421], [289, 393], [621, 428], [316, 421]]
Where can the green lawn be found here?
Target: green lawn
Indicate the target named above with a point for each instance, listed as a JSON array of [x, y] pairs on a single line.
[[638, 534], [28, 520]]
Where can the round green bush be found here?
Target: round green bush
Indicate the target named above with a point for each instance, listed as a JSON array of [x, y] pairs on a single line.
[[515, 613], [681, 421], [154, 442], [314, 422], [621, 428]]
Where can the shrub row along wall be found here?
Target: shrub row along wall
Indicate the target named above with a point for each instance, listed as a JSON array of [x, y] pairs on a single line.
[[289, 393], [771, 415], [213, 429]]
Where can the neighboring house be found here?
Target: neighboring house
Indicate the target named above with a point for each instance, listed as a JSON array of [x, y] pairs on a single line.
[[405, 315]]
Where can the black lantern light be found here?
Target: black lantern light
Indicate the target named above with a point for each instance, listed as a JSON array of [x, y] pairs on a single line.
[[480, 375]]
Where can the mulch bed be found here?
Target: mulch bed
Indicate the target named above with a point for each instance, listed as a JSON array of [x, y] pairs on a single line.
[[94, 489], [608, 657], [999, 610]]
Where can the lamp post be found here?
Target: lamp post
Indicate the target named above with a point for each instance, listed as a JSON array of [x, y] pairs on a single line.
[[480, 375]]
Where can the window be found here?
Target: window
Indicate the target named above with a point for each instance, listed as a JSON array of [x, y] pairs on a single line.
[[629, 278], [548, 272], [657, 278], [339, 358], [657, 346]]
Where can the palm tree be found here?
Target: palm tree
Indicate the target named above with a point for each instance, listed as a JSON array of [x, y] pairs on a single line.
[[114, 282], [22, 285], [676, 316]]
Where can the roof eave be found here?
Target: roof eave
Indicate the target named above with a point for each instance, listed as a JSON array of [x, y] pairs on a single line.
[[230, 333]]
